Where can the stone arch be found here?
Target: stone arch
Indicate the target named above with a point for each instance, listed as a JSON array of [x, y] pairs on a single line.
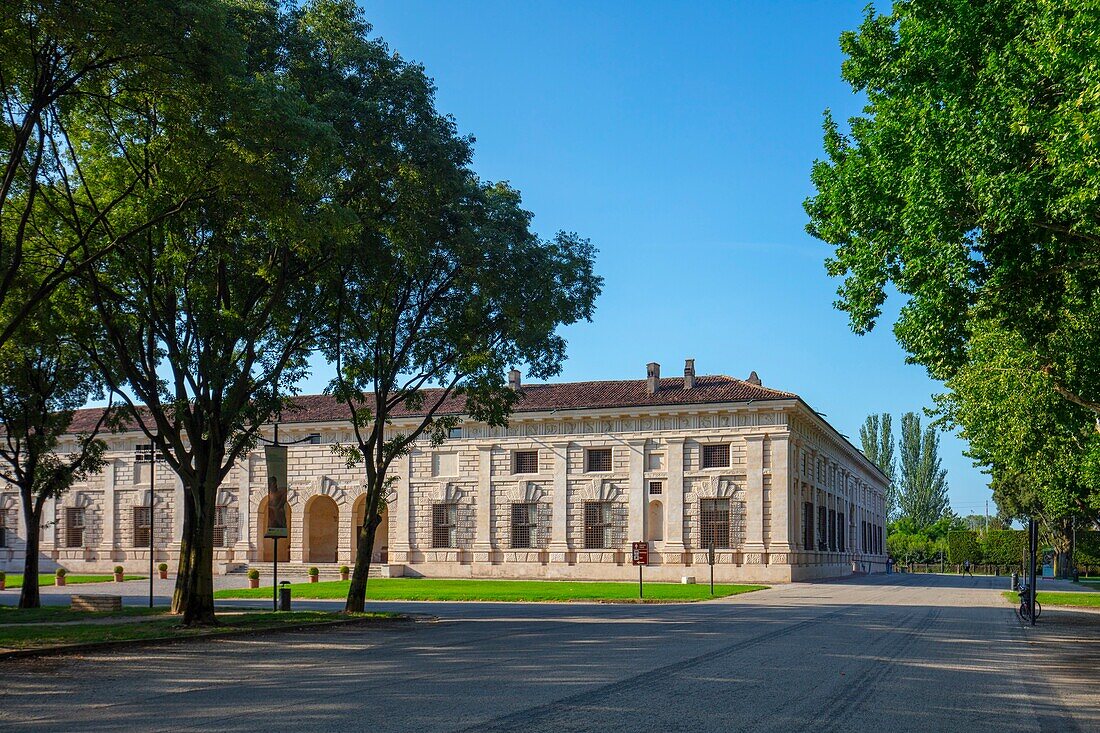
[[320, 529], [655, 522], [267, 544], [381, 532]]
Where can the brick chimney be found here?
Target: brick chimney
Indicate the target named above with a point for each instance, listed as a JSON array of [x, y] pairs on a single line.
[[689, 373], [753, 379], [513, 380], [653, 376]]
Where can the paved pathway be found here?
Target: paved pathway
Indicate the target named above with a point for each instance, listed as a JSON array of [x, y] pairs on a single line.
[[898, 653]]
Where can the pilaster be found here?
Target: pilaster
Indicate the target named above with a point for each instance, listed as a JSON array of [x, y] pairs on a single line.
[[636, 516], [782, 497], [243, 547], [401, 508], [559, 521], [674, 511], [107, 539], [754, 494], [483, 540]]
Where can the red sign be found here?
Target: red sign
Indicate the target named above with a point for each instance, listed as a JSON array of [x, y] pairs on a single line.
[[640, 553]]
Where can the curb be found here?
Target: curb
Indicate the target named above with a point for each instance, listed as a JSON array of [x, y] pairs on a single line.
[[54, 651]]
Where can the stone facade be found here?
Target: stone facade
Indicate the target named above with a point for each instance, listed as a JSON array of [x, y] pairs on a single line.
[[752, 473]]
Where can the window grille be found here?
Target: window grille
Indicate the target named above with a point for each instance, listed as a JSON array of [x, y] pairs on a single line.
[[74, 527], [597, 525], [808, 525], [220, 523], [822, 528], [525, 461], [656, 488], [714, 522], [832, 530], [142, 515], [3, 528], [525, 525], [444, 521], [143, 453], [716, 456], [841, 530], [599, 460]]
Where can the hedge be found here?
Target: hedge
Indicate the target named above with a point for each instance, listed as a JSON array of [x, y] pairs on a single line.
[[962, 546], [1008, 546]]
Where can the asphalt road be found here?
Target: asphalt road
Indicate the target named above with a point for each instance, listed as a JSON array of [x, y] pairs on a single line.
[[897, 653]]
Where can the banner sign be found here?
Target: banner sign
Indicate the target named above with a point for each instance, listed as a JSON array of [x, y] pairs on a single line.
[[276, 459]]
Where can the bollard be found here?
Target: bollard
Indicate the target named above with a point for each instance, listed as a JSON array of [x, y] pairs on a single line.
[[1015, 581], [284, 595], [1076, 575]]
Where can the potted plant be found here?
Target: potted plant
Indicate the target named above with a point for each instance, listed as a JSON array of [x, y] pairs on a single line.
[[163, 568], [59, 576], [344, 572], [313, 573], [253, 578], [3, 579], [118, 574]]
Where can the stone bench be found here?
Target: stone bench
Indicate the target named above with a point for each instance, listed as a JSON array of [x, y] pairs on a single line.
[[95, 603]]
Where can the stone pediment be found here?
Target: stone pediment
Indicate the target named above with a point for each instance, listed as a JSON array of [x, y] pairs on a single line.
[[448, 492], [598, 490], [526, 492], [717, 487]]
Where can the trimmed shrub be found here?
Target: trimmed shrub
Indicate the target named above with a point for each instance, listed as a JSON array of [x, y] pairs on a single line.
[[1004, 546], [314, 571], [163, 567], [61, 572], [118, 570], [253, 574], [963, 546], [3, 575], [345, 569]]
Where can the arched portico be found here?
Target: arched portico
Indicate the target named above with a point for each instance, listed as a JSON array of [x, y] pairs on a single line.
[[381, 534], [320, 529]]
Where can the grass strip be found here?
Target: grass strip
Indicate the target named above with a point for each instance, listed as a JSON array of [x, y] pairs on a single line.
[[1084, 599], [45, 637], [50, 614], [44, 579], [519, 591]]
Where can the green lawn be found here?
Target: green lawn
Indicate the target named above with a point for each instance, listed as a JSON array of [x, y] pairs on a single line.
[[16, 580], [37, 637], [431, 589], [48, 614], [1051, 598]]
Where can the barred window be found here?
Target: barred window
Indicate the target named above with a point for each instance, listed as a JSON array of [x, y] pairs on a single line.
[[822, 528], [714, 522], [74, 526], [808, 525], [525, 525], [220, 523], [525, 461], [598, 460], [716, 456], [841, 531], [656, 488], [143, 453], [142, 515], [832, 530], [3, 528], [597, 525], [444, 520]]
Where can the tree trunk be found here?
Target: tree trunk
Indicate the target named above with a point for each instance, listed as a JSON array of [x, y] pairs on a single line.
[[29, 595], [357, 591], [194, 593], [183, 570]]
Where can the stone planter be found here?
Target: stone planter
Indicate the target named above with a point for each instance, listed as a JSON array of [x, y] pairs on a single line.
[[345, 576], [313, 578], [163, 574], [3, 583], [119, 577], [59, 580], [253, 582]]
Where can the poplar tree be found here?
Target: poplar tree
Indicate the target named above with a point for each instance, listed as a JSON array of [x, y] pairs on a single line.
[[922, 491], [876, 436]]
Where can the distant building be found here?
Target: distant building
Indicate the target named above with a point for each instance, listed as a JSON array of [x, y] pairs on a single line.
[[582, 470]]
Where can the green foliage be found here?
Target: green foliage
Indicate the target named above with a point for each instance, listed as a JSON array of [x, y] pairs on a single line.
[[253, 574], [1088, 548], [119, 570], [61, 572], [922, 490], [1003, 546], [162, 567], [963, 545]]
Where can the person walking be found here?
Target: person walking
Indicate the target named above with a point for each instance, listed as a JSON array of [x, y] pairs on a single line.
[[966, 568]]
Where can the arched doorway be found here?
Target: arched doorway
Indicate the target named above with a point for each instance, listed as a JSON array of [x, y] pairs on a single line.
[[321, 529], [381, 533], [266, 543], [655, 526]]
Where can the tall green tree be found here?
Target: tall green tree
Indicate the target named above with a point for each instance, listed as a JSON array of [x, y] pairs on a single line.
[[970, 181], [68, 67], [209, 318], [922, 490], [876, 436], [44, 378]]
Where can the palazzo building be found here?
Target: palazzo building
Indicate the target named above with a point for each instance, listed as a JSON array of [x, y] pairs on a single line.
[[582, 470]]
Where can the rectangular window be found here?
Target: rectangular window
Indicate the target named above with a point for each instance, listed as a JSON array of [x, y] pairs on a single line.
[[598, 460], [444, 520], [714, 522], [841, 530], [716, 456], [832, 530], [656, 461], [524, 525], [808, 525], [74, 526], [822, 528], [656, 488], [454, 432], [525, 461], [143, 453], [444, 464], [221, 521], [597, 525], [314, 438], [3, 529], [141, 526]]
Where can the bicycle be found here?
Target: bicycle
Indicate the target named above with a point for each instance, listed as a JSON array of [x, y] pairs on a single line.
[[1024, 611]]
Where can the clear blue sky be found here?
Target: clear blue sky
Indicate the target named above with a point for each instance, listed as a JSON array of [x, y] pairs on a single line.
[[678, 137]]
